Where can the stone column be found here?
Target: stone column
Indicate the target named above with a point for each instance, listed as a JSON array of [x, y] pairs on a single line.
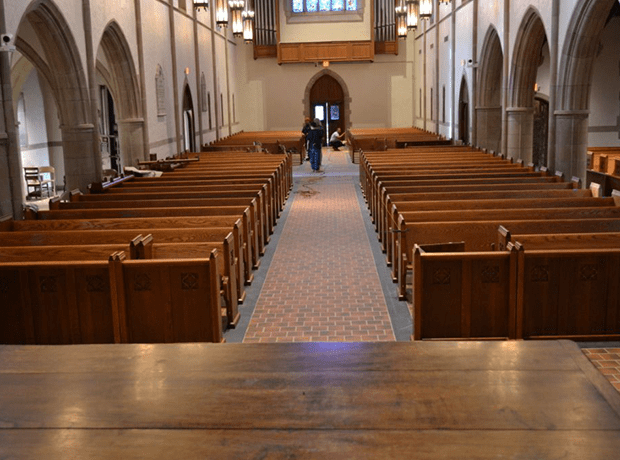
[[11, 189], [489, 127], [80, 160], [131, 136], [571, 142], [520, 133]]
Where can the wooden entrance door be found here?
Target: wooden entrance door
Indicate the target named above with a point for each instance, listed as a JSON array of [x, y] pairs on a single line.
[[327, 104]]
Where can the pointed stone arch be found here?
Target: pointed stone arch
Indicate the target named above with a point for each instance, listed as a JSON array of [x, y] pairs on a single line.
[[574, 82], [116, 65], [526, 57], [345, 90], [530, 39], [464, 116], [53, 51], [489, 94]]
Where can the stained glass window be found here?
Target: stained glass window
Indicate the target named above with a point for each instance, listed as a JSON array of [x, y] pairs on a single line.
[[314, 6], [334, 112]]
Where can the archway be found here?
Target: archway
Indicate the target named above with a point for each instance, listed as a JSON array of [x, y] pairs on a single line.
[[326, 89], [490, 82], [530, 42], [189, 138], [575, 77], [464, 112], [44, 38], [116, 71]]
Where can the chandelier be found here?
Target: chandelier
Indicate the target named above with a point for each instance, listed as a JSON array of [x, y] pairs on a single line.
[[412, 14], [248, 26], [401, 20], [221, 13], [426, 9], [236, 8], [198, 4]]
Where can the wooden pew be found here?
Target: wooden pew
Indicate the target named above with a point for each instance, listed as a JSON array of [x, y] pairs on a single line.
[[116, 301], [464, 295], [450, 207], [250, 241], [572, 294], [479, 235], [215, 238], [538, 294]]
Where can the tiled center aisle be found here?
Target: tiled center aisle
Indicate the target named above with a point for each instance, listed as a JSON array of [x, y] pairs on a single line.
[[322, 284]]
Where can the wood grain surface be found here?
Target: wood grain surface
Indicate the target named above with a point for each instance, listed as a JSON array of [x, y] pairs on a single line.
[[448, 400]]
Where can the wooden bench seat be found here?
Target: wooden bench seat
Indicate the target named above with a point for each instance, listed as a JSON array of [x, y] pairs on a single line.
[[521, 295], [250, 233], [451, 207], [116, 301], [478, 236], [214, 236], [567, 240], [142, 249]]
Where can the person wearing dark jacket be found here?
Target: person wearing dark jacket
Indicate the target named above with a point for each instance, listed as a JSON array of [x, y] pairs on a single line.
[[315, 141]]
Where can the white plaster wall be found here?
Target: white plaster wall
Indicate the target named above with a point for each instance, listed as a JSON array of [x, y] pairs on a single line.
[[463, 52], [418, 119], [326, 32], [36, 152], [445, 77], [604, 117], [206, 66], [121, 12], [185, 52], [490, 14], [157, 51], [273, 95], [222, 86], [71, 11]]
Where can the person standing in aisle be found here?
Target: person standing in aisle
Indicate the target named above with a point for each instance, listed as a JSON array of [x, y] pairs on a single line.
[[304, 130], [315, 141]]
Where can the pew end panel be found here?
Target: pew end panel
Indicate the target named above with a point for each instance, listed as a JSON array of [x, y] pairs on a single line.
[[172, 300], [55, 303], [465, 296], [571, 294]]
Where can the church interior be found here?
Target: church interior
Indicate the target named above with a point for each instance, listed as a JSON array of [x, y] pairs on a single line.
[[191, 267]]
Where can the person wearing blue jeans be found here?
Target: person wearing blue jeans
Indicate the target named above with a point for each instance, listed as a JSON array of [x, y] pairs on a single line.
[[315, 141]]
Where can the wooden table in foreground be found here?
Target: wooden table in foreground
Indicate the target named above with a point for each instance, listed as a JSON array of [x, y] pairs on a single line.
[[442, 400]]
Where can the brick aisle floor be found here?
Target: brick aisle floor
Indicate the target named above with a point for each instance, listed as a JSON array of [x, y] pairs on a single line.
[[322, 284], [606, 360]]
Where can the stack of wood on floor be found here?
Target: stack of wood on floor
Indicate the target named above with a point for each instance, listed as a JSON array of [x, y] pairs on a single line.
[[262, 141], [147, 260], [603, 168], [381, 139], [496, 249]]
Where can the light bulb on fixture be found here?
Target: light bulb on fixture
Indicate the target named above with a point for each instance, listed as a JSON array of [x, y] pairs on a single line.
[[236, 8], [426, 9]]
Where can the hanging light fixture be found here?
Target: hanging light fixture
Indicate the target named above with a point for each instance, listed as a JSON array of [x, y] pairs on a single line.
[[248, 26], [236, 8], [412, 14], [401, 20], [426, 9], [198, 4], [221, 13]]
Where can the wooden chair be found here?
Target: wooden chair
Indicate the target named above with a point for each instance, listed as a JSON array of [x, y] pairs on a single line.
[[47, 178], [33, 182]]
